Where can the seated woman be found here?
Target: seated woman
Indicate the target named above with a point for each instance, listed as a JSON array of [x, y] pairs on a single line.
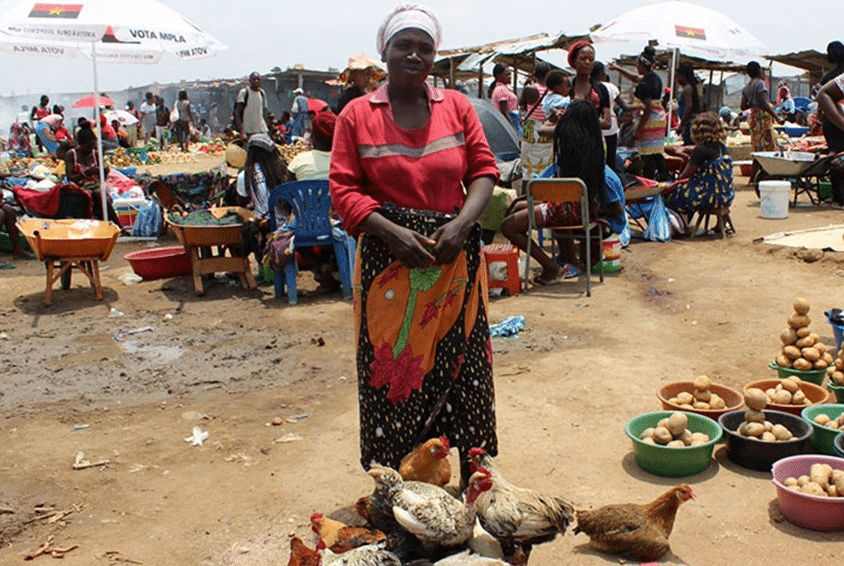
[[579, 147], [264, 171], [82, 166], [109, 135], [8, 218], [706, 183], [46, 129]]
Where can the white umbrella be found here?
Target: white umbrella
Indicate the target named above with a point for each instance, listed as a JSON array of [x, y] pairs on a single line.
[[684, 27], [692, 29], [125, 118], [116, 31]]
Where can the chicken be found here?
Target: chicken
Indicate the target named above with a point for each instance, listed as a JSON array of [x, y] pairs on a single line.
[[428, 462], [301, 555], [640, 531], [518, 517], [339, 537], [429, 512], [367, 555]]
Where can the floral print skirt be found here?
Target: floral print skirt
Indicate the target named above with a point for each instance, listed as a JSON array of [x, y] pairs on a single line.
[[424, 355]]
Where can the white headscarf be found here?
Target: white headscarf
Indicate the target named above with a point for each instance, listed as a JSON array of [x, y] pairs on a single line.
[[408, 15]]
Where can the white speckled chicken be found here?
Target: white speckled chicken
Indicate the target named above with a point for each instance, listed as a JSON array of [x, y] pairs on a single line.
[[518, 517], [367, 555], [429, 512]]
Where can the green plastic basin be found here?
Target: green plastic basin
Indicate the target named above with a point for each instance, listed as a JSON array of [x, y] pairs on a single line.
[[673, 462]]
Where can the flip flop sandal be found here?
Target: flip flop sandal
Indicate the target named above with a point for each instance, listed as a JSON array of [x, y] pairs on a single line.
[[547, 282]]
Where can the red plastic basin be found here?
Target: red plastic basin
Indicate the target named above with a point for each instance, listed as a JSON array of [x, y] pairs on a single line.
[[158, 263]]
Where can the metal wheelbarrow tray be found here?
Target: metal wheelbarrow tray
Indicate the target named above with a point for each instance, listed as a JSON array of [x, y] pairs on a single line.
[[805, 170]]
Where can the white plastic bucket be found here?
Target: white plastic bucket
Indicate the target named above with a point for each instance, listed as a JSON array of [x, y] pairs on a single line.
[[774, 197]]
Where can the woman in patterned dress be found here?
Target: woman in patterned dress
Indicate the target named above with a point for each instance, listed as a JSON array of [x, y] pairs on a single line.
[[754, 97], [400, 161]]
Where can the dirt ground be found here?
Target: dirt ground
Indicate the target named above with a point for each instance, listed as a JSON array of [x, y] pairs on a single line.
[[233, 360]]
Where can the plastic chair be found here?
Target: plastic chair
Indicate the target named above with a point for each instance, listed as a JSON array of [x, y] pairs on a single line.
[[564, 190], [310, 202]]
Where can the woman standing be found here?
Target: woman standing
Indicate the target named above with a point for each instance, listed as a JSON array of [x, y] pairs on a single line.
[[650, 133], [830, 98], [581, 58], [503, 97], [400, 160], [599, 73], [688, 103], [754, 97], [185, 120]]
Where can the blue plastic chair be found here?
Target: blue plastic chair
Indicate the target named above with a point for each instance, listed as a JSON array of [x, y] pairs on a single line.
[[802, 103], [310, 202]]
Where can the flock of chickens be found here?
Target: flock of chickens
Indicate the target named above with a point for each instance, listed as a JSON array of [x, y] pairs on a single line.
[[412, 520]]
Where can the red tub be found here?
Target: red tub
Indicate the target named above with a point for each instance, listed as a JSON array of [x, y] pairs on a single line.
[[159, 263]]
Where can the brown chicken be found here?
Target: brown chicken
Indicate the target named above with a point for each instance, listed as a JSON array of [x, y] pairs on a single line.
[[339, 537], [301, 555], [639, 531], [518, 517], [428, 463]]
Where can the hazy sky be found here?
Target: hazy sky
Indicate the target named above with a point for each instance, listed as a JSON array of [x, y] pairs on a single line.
[[262, 34]]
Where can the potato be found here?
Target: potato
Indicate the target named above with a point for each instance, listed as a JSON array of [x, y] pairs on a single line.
[[768, 437], [676, 444], [649, 440], [838, 377], [819, 346], [782, 397], [790, 385], [686, 407], [789, 481], [805, 342], [783, 361], [788, 336], [753, 416], [802, 332], [769, 426], [687, 437], [702, 395], [820, 364], [647, 433], [812, 488], [717, 402], [799, 320], [662, 435], [810, 354], [820, 475], [802, 364], [827, 357], [780, 432], [701, 406], [754, 429], [839, 484], [799, 398], [685, 398], [791, 352], [663, 423], [801, 306], [803, 480], [832, 491], [702, 382], [755, 399], [839, 363], [700, 437], [677, 423], [698, 442], [822, 419]]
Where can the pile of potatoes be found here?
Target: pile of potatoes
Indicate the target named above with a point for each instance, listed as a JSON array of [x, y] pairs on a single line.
[[801, 349], [786, 392], [755, 426], [701, 398], [823, 480], [291, 150], [672, 432], [836, 371], [827, 421]]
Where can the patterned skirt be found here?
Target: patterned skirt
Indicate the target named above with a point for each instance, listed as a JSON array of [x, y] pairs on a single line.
[[651, 139], [761, 130], [424, 355], [710, 187]]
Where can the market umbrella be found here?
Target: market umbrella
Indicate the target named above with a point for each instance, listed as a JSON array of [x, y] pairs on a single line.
[[90, 101], [125, 118], [116, 31], [682, 27]]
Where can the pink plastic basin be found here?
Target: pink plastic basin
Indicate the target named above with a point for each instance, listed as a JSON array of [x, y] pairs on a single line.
[[808, 511], [158, 263]]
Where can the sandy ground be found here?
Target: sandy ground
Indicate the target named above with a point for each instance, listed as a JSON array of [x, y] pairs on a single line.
[[231, 361]]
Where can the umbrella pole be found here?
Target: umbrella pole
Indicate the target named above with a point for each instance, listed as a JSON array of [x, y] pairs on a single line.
[[103, 190], [671, 85]]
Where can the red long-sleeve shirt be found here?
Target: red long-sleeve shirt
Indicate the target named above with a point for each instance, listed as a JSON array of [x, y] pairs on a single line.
[[374, 160]]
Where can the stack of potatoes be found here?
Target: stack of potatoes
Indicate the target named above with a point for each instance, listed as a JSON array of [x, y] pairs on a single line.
[[701, 398], [825, 420], [672, 432], [755, 425], [836, 371], [823, 480], [801, 349], [787, 392]]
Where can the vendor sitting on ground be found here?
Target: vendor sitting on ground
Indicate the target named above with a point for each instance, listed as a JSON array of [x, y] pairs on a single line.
[[579, 145], [706, 183], [82, 167]]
